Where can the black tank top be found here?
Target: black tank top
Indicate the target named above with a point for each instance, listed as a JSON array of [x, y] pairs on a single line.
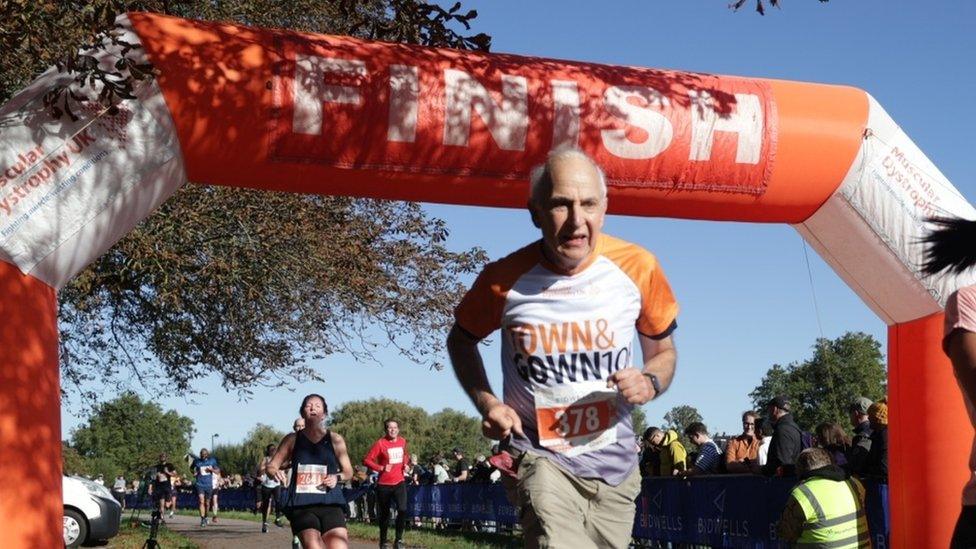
[[311, 462]]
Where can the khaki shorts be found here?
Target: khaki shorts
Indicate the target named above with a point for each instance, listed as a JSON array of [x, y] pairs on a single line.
[[557, 509]]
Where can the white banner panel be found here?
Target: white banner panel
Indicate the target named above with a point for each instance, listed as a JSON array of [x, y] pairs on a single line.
[[871, 230], [71, 189]]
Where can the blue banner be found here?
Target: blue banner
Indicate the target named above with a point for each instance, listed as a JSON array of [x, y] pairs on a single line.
[[731, 511], [721, 511]]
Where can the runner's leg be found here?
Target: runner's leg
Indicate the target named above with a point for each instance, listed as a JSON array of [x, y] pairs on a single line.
[[383, 496], [276, 499], [610, 519], [336, 538], [311, 539], [554, 506], [214, 507], [202, 502], [265, 502], [400, 495]]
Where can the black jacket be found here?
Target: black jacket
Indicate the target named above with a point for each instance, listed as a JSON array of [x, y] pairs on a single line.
[[857, 456], [876, 464], [784, 448]]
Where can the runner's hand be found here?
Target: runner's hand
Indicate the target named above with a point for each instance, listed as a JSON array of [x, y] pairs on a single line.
[[280, 476], [633, 385], [331, 481], [501, 421], [387, 467]]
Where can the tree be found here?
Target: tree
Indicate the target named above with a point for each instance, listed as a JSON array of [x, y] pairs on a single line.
[[775, 382], [680, 417], [243, 458], [361, 422], [638, 419], [71, 462], [449, 429], [822, 387], [250, 285], [126, 435]]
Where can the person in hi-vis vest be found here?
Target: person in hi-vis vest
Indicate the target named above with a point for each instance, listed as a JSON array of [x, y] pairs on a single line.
[[826, 509]]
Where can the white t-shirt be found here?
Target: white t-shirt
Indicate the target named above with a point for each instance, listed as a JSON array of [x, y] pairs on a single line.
[[562, 336], [960, 313], [440, 474], [764, 450]]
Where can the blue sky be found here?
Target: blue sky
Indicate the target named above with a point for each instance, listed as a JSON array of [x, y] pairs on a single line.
[[745, 292]]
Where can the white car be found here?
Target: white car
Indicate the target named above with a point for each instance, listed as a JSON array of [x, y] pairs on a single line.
[[90, 511]]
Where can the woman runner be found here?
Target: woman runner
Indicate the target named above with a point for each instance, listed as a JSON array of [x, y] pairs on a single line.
[[314, 502]]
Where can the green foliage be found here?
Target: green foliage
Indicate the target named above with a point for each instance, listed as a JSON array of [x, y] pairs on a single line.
[[639, 420], [243, 459], [680, 417], [126, 435], [72, 462], [822, 387], [361, 424], [449, 428]]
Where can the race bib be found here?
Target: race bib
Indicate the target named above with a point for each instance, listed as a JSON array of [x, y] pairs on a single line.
[[310, 479], [396, 455], [576, 418]]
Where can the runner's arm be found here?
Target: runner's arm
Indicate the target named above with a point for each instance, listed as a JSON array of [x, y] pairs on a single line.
[[282, 455], [339, 444], [499, 420], [371, 457], [406, 460], [469, 369], [660, 358]]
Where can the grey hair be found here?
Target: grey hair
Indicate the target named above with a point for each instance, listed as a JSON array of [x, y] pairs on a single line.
[[540, 174], [812, 458]]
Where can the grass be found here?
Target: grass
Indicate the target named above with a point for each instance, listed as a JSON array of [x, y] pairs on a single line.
[[133, 536], [414, 537]]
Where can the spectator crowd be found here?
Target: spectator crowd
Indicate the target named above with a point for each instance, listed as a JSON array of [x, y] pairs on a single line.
[[770, 444]]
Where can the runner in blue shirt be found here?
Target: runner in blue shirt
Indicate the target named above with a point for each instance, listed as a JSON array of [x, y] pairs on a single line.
[[205, 468]]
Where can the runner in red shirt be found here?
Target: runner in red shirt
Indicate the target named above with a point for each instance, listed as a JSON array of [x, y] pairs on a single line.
[[388, 457]]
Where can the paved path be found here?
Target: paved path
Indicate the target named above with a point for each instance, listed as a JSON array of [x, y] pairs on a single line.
[[238, 534]]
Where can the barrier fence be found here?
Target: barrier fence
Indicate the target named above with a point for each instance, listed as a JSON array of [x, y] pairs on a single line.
[[720, 511]]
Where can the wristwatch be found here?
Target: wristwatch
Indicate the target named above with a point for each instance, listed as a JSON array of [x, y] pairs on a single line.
[[654, 383]]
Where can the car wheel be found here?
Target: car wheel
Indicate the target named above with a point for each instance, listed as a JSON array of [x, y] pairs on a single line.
[[75, 528]]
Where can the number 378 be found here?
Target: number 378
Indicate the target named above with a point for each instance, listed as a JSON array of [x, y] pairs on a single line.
[[578, 420]]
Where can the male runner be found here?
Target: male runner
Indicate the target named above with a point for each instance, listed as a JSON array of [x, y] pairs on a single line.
[[569, 307], [206, 469], [161, 488]]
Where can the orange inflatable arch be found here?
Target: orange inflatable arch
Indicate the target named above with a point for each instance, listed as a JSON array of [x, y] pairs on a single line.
[[282, 110]]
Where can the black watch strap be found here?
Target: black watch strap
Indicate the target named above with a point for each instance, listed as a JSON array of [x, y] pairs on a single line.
[[654, 383]]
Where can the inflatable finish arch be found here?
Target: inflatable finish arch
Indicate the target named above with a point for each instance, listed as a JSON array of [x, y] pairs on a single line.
[[332, 115]]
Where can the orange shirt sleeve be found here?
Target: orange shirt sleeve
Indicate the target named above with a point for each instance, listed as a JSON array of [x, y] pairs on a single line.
[[659, 309], [480, 311]]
